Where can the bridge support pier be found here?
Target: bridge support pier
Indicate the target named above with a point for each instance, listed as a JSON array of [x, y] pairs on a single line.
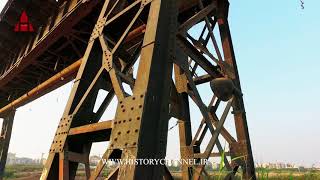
[[149, 97], [5, 137]]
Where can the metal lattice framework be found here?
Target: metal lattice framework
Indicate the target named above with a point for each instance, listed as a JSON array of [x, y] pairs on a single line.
[[152, 38]]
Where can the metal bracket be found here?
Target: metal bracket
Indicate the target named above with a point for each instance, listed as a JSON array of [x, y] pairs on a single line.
[[61, 134], [107, 60], [126, 125], [98, 28]]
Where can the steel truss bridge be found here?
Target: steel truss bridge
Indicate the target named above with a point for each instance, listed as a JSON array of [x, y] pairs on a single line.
[[142, 53]]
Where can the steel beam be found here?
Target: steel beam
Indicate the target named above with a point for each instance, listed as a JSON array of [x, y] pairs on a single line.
[[5, 137], [243, 146], [185, 132], [156, 33], [54, 82], [91, 128]]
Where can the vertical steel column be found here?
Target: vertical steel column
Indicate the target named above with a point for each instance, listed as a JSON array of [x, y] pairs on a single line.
[[66, 153], [243, 146], [141, 123], [153, 83], [185, 133], [139, 128], [5, 140]]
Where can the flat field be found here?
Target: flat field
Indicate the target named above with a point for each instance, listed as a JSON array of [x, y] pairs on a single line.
[[33, 172]]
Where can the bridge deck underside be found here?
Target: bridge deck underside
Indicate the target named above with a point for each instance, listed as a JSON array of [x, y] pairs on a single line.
[[60, 40], [28, 59]]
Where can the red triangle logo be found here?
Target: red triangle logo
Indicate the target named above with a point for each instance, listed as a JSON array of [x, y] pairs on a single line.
[[23, 25]]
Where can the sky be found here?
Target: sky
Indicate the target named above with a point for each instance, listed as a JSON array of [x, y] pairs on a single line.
[[277, 51]]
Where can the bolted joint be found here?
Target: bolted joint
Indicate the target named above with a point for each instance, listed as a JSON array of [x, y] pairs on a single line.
[[98, 28], [107, 61], [61, 134], [145, 2]]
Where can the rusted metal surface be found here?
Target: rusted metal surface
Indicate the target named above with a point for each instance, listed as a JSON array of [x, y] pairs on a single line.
[[5, 137], [238, 106], [91, 128], [57, 80], [54, 82], [44, 53], [36, 57], [111, 37]]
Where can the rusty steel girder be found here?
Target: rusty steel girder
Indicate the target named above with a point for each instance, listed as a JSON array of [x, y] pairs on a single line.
[[139, 128], [154, 37]]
